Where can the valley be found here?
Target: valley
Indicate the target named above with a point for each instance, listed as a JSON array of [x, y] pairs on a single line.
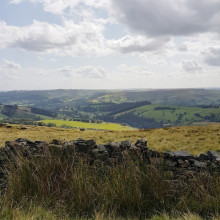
[[137, 109]]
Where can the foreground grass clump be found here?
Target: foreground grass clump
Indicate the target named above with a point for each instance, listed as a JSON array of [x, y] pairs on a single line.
[[195, 139], [71, 187]]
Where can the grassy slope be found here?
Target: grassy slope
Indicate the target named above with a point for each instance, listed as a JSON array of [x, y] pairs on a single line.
[[51, 98], [78, 124], [195, 139], [163, 96], [149, 112]]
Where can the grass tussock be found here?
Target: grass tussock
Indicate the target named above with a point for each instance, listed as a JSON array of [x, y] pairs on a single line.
[[72, 188]]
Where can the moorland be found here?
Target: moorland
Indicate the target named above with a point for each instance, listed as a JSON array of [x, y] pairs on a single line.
[[51, 188]]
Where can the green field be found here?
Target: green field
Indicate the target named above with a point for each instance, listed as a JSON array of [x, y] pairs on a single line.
[[178, 113], [78, 124]]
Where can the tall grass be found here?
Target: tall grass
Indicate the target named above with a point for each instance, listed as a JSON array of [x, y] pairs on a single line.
[[71, 186]]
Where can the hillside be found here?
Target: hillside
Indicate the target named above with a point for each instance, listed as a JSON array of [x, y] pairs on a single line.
[[195, 139], [147, 115], [135, 108], [20, 112], [53, 99]]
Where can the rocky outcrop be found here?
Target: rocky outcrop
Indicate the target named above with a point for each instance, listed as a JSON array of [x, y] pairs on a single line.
[[108, 154]]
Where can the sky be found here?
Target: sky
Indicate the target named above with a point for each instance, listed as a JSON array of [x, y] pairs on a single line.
[[109, 44]]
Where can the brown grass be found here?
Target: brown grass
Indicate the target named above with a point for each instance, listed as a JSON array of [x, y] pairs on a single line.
[[195, 139], [71, 186]]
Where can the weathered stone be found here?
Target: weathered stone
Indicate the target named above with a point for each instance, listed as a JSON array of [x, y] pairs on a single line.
[[183, 163], [40, 143], [99, 153], [183, 155], [169, 155], [95, 152], [142, 143], [25, 141], [199, 164], [113, 149], [203, 157], [102, 149], [126, 144], [55, 141], [214, 156], [84, 146]]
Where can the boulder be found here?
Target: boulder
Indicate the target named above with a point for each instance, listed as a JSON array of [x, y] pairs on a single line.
[[84, 146], [200, 164], [113, 147], [203, 157], [214, 156], [56, 142], [183, 163], [183, 155], [141, 143], [99, 153], [25, 141], [102, 149], [125, 144], [42, 143]]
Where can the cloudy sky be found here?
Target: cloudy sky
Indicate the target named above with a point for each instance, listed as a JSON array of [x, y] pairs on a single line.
[[109, 44]]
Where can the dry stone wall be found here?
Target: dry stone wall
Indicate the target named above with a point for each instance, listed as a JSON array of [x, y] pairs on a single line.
[[109, 154]]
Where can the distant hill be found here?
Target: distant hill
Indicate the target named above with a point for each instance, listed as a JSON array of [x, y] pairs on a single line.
[[136, 108], [20, 112], [56, 99]]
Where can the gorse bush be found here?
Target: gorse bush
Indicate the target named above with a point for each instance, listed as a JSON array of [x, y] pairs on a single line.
[[70, 185]]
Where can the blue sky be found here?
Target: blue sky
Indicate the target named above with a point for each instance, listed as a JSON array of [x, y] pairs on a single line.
[[109, 44]]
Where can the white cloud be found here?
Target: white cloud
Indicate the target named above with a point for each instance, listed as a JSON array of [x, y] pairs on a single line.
[[129, 44], [169, 17], [9, 70], [212, 56], [91, 71], [83, 72], [59, 6], [72, 39], [191, 66], [7, 64]]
